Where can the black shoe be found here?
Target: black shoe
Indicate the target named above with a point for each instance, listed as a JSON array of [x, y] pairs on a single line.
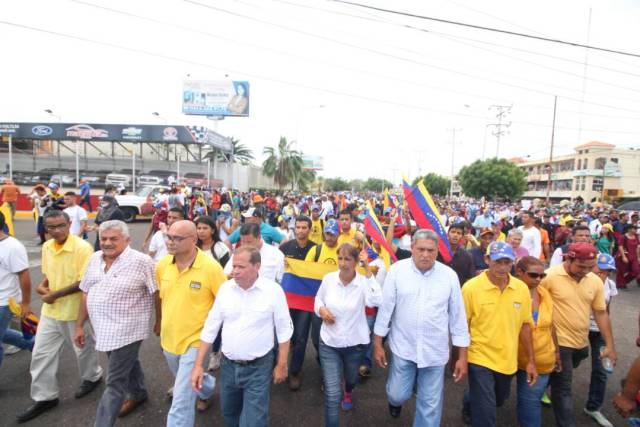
[[466, 416], [36, 409], [394, 411], [86, 387]]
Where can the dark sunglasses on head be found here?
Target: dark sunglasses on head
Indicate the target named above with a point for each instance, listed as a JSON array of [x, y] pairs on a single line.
[[536, 275]]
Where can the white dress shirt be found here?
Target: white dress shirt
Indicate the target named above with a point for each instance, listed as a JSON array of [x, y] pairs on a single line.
[[158, 246], [271, 263], [248, 319], [346, 303], [531, 240], [420, 310]]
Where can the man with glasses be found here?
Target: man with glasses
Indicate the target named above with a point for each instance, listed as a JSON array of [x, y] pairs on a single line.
[[188, 281], [64, 259], [576, 292]]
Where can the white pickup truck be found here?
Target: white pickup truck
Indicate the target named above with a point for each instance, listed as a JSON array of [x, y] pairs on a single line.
[[140, 203]]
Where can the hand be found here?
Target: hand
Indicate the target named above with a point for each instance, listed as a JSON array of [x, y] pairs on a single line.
[[286, 263], [197, 373], [156, 328], [611, 354], [25, 309], [326, 316], [638, 341], [42, 289], [532, 374], [460, 370], [48, 298], [78, 339], [280, 373], [380, 356], [624, 405], [558, 367], [625, 259]]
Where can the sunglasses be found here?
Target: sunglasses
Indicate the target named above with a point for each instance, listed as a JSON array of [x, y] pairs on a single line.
[[536, 275], [177, 239]]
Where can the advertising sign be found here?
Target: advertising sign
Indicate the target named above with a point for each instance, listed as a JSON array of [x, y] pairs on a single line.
[[314, 163], [216, 98]]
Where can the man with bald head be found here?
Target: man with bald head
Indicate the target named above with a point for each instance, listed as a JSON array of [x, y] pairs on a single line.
[[188, 281]]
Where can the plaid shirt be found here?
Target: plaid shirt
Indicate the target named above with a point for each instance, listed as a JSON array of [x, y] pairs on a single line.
[[120, 301]]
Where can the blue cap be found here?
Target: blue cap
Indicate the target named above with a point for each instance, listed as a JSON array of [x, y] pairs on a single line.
[[500, 250], [332, 227], [53, 186], [606, 262]]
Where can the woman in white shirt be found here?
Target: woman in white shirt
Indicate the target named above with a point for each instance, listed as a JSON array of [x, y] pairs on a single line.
[[344, 334]]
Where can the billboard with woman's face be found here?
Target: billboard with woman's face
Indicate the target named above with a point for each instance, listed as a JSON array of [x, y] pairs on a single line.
[[216, 98]]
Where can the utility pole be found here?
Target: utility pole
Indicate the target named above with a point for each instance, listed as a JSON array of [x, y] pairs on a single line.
[[453, 151], [553, 131], [503, 112]]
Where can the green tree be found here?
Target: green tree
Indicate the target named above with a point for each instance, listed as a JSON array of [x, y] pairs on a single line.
[[436, 184], [240, 153], [305, 179], [356, 184], [493, 179], [376, 184], [336, 184], [283, 163]]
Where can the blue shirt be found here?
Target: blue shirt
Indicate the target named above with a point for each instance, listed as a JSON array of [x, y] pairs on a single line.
[[268, 233], [85, 189], [419, 311]]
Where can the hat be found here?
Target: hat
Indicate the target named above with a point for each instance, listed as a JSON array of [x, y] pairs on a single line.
[[225, 208], [608, 226], [252, 212], [500, 250], [581, 251], [486, 231], [606, 262], [280, 218], [258, 199], [332, 227], [53, 186]]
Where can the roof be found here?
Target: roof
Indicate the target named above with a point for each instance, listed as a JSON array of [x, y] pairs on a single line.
[[595, 144]]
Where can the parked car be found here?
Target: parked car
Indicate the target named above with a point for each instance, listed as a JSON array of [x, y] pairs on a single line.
[[194, 179], [140, 203], [95, 178], [154, 177], [63, 179], [119, 177]]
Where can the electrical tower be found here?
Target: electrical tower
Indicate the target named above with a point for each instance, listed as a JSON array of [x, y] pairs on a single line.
[[503, 112]]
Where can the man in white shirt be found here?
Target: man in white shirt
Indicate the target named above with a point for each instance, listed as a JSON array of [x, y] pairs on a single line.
[[157, 245], [76, 213], [596, 225], [252, 311], [14, 283], [272, 259], [531, 237], [422, 307], [327, 208]]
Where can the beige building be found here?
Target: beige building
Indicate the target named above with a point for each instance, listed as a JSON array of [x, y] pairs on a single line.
[[594, 169]]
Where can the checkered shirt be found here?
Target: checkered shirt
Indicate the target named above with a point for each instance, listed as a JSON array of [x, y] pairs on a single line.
[[120, 301]]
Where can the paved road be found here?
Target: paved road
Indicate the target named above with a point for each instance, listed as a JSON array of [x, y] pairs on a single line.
[[302, 408]]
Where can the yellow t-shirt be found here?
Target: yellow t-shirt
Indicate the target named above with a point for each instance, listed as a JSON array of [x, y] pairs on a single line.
[[495, 319], [543, 347], [316, 234], [573, 303], [186, 297], [63, 266], [349, 237], [501, 237], [327, 255]]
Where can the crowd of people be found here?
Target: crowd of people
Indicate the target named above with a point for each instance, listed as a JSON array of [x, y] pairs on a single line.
[[524, 295]]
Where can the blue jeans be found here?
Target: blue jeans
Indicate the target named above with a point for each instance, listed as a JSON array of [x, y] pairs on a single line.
[[400, 385], [245, 392], [368, 357], [10, 336], [529, 405], [598, 384], [487, 390], [303, 321], [338, 363], [182, 412]]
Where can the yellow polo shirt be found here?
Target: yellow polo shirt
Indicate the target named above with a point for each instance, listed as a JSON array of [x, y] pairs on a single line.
[[186, 297], [573, 303], [543, 347], [63, 266], [316, 234], [327, 255], [495, 319]]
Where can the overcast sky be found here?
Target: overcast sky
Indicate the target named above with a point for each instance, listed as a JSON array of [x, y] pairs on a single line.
[[390, 86]]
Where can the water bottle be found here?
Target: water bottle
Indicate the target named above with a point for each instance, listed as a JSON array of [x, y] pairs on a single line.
[[607, 365]]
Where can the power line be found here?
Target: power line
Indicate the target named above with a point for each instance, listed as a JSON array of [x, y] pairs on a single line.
[[495, 30]]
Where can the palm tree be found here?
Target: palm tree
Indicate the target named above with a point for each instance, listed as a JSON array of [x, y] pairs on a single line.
[[306, 179], [239, 154], [283, 163]]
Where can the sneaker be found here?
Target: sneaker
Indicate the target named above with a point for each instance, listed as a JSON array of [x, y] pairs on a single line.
[[11, 349], [545, 400], [347, 402], [364, 371], [598, 417], [394, 411], [214, 361], [203, 404]]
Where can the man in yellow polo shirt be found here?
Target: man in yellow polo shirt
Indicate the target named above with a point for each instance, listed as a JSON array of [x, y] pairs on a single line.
[[576, 292], [64, 260], [348, 232], [498, 308], [188, 281]]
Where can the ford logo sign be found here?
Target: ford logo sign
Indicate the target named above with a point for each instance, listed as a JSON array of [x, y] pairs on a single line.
[[42, 130]]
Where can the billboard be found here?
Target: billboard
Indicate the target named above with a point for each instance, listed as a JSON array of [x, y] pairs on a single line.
[[314, 163], [216, 98]]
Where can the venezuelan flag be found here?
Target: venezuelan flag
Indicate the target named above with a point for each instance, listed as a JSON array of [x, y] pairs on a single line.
[[8, 222], [374, 230], [426, 214], [301, 281]]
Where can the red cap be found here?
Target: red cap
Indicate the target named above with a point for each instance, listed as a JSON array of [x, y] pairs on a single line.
[[582, 251]]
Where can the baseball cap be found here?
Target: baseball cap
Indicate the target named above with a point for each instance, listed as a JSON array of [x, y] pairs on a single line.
[[252, 212], [608, 226], [500, 250], [581, 251], [53, 186], [332, 227], [486, 231], [606, 262], [258, 199], [225, 207]]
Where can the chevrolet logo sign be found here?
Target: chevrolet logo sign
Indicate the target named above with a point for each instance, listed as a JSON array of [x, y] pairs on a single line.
[[131, 131]]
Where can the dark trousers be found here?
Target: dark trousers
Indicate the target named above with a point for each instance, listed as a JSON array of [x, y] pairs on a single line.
[[86, 201], [303, 321], [487, 390], [561, 399], [598, 384], [124, 377]]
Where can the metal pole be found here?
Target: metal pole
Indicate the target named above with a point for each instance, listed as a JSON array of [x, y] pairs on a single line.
[[553, 132], [178, 164], [77, 163], [10, 158], [604, 167], [133, 175], [453, 150], [208, 173]]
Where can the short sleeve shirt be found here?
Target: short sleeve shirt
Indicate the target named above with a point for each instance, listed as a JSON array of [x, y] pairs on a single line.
[[13, 260]]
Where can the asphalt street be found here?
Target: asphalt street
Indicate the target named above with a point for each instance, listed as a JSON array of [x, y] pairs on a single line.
[[301, 408]]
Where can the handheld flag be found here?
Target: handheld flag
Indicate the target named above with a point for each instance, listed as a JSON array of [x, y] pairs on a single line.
[[374, 230], [8, 222], [426, 214], [301, 281]]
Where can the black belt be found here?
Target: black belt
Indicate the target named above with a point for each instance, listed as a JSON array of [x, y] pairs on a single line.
[[246, 362]]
